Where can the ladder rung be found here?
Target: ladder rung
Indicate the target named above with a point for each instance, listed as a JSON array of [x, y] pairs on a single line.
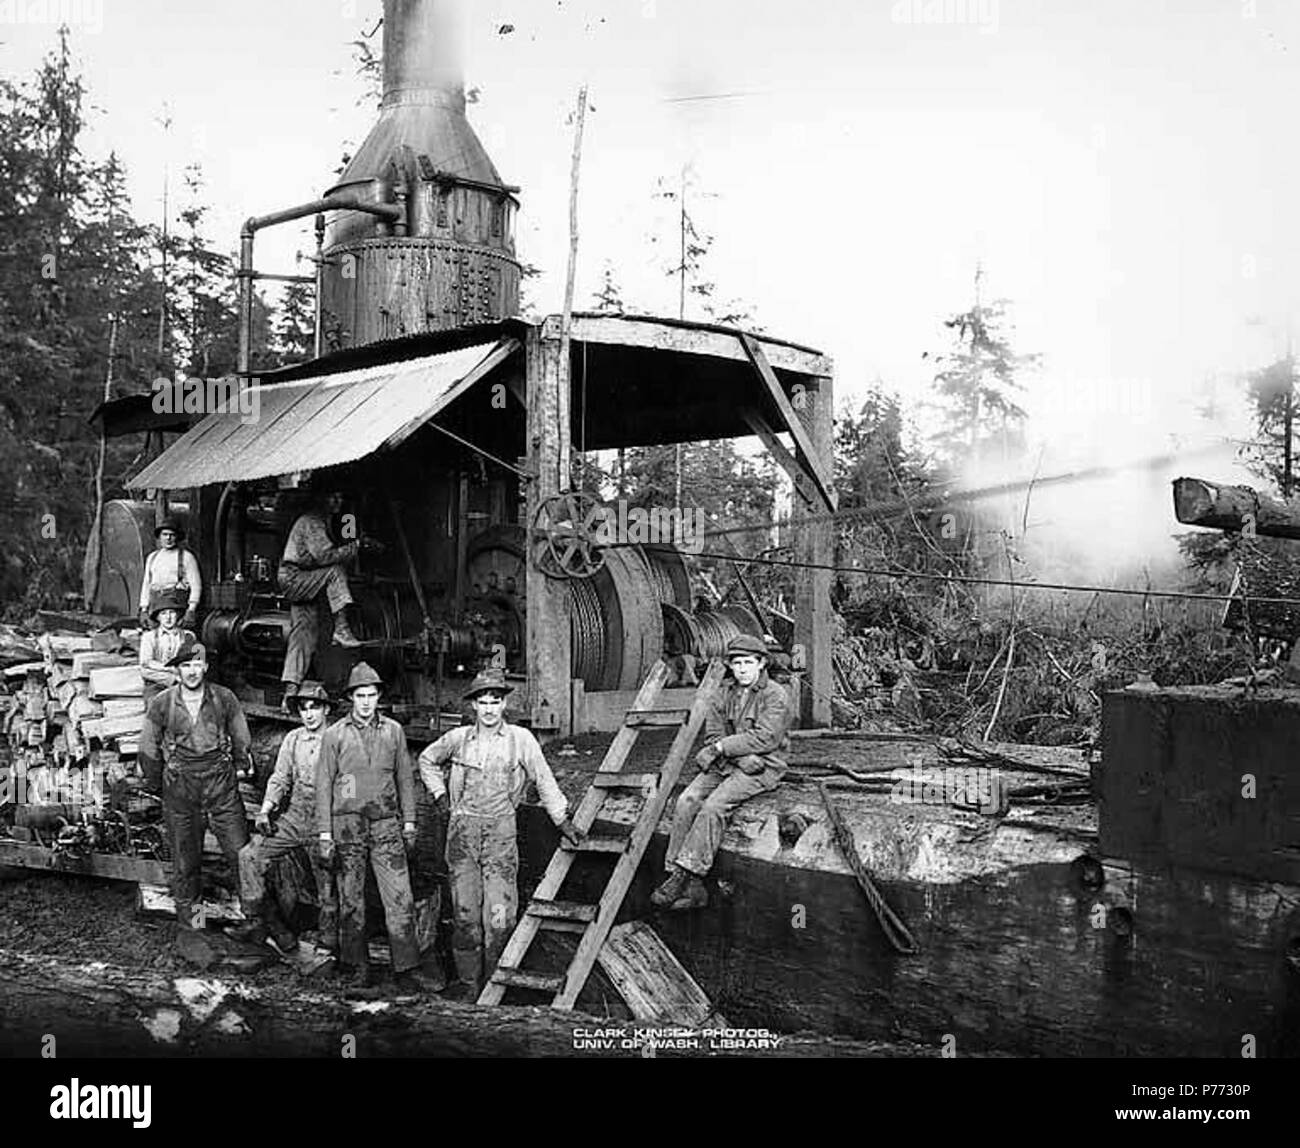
[[597, 845], [613, 780], [656, 717], [563, 910], [552, 925], [518, 979]]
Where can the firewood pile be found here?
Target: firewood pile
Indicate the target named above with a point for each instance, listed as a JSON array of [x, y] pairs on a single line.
[[72, 723]]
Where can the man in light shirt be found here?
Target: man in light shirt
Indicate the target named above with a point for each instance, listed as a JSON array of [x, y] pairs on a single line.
[[491, 763], [170, 567], [158, 646]]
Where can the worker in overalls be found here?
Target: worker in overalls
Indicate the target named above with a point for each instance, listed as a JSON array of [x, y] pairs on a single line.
[[159, 645], [746, 733], [313, 565], [293, 780], [193, 747], [365, 807], [491, 763], [170, 567]]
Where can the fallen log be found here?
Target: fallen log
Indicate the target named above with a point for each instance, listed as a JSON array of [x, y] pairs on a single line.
[[105, 1010], [1219, 506]]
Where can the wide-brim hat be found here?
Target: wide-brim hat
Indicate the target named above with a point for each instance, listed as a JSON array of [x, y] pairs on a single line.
[[746, 644], [310, 692], [161, 600], [190, 649], [488, 681], [363, 674], [172, 523]]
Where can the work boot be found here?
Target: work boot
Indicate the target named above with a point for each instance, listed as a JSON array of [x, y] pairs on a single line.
[[417, 982], [462, 991], [343, 635], [695, 896], [671, 889], [252, 931], [356, 982], [282, 938]]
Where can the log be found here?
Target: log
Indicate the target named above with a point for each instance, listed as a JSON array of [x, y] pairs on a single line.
[[82, 664], [106, 1010], [105, 727], [1198, 502], [116, 682]]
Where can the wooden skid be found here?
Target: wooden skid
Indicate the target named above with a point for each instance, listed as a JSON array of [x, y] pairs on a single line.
[[111, 865], [653, 982]]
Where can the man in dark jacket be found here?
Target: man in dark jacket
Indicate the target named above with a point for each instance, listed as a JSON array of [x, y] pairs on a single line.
[[746, 732], [365, 803], [193, 747]]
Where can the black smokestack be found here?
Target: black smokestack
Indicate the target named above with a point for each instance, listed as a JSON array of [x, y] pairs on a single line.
[[453, 263]]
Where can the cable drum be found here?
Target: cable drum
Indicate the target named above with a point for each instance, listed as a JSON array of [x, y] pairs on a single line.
[[718, 627], [681, 632], [588, 633], [672, 582]]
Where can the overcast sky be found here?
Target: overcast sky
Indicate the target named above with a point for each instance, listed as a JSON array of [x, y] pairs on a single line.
[[1124, 169]]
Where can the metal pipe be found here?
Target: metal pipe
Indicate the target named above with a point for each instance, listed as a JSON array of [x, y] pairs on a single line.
[[320, 283], [219, 531], [390, 212]]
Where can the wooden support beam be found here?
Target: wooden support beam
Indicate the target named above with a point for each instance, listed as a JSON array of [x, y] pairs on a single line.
[[549, 642], [691, 339], [110, 865], [777, 449], [816, 464], [814, 545]]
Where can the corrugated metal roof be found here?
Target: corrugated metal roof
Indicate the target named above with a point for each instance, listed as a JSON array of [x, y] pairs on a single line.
[[320, 422]]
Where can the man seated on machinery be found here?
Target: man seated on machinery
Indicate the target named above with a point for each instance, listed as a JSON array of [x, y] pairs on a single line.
[[746, 733], [310, 566], [294, 778]]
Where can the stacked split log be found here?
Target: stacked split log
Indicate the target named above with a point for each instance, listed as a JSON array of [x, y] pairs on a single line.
[[73, 725]]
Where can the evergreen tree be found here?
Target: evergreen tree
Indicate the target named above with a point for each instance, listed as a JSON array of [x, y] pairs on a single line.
[[979, 386]]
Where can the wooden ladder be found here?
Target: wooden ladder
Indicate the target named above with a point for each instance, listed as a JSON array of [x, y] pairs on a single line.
[[594, 922]]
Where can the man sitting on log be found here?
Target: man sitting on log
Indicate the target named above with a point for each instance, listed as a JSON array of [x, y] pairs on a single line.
[[193, 747], [746, 732], [491, 763], [364, 783], [310, 566], [294, 777]]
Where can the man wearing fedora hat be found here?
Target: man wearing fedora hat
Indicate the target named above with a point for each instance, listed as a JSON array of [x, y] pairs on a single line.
[[294, 778], [193, 746], [159, 645], [170, 567], [746, 733], [491, 763], [365, 806]]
